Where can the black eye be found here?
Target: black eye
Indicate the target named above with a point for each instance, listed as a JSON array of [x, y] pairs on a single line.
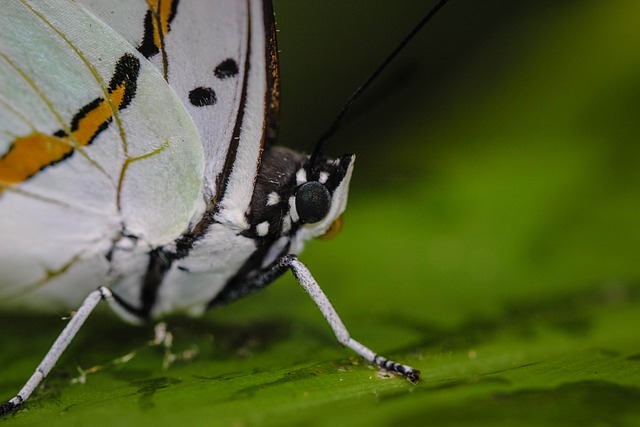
[[312, 202]]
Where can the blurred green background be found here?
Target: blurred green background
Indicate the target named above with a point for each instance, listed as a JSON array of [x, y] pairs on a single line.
[[491, 238], [497, 159]]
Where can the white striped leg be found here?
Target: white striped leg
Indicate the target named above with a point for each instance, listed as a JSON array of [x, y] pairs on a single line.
[[58, 347], [302, 273]]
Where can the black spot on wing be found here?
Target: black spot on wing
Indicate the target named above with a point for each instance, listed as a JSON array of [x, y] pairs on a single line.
[[225, 69], [202, 96]]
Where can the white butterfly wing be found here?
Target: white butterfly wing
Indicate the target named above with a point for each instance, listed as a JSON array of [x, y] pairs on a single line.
[[93, 145], [220, 58], [213, 54]]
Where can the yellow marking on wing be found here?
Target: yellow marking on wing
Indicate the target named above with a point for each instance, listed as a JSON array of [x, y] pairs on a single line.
[[90, 124], [161, 15], [46, 101], [161, 10], [30, 154], [93, 72]]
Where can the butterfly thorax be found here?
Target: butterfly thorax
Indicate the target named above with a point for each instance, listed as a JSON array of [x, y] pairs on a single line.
[[215, 262]]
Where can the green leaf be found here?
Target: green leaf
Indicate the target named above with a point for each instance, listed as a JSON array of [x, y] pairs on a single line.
[[491, 240]]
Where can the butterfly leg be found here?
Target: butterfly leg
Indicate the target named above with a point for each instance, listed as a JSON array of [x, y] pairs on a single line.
[[304, 277], [58, 347]]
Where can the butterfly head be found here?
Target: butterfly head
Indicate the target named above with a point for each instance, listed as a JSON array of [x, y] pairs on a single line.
[[295, 200], [321, 197]]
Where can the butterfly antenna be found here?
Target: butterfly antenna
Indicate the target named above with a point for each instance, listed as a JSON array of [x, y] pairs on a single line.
[[324, 139]]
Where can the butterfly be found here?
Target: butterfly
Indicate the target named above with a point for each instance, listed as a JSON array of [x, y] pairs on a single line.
[[138, 164]]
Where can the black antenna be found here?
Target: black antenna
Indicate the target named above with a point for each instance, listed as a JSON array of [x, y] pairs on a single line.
[[324, 139]]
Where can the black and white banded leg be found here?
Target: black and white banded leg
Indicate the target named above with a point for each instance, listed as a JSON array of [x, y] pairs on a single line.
[[58, 347], [304, 277], [287, 262]]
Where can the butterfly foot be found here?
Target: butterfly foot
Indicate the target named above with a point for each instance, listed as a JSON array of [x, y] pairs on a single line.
[[9, 406], [410, 374]]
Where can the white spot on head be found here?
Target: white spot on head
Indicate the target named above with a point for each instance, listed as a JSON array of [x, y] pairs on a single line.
[[324, 176], [301, 176], [263, 228], [273, 198], [292, 209]]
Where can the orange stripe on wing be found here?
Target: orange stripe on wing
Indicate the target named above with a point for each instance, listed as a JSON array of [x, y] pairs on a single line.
[[29, 154], [32, 153]]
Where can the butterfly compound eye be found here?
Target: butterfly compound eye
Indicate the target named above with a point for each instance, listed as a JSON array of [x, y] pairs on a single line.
[[313, 201]]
